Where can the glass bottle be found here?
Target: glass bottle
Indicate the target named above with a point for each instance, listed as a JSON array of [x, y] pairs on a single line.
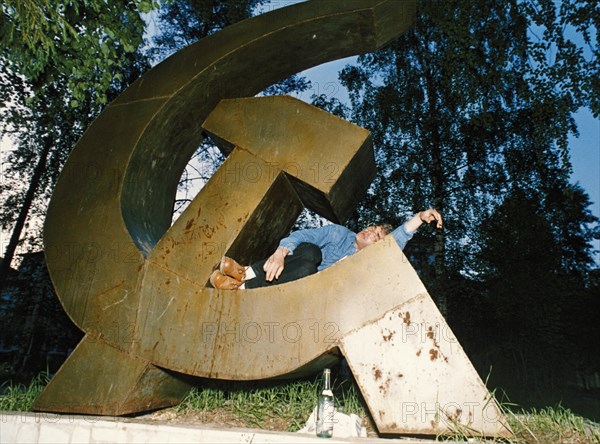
[[325, 408]]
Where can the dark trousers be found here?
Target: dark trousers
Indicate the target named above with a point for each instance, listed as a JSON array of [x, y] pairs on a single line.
[[303, 262]]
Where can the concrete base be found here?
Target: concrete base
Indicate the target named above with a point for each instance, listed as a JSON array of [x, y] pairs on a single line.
[[31, 428]]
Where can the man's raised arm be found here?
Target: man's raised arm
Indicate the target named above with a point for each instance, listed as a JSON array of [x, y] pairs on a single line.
[[426, 216]]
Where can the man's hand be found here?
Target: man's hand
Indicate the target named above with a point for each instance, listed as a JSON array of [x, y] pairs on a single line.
[[426, 216], [274, 265], [430, 215]]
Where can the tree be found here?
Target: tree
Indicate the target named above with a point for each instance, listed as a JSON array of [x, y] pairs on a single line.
[[466, 105], [84, 40], [470, 112], [185, 22], [574, 227], [530, 285], [46, 104], [46, 335]]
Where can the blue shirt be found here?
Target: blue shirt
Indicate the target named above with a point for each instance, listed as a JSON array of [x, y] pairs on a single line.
[[335, 241]]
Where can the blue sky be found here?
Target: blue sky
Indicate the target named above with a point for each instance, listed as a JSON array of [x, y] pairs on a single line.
[[585, 157]]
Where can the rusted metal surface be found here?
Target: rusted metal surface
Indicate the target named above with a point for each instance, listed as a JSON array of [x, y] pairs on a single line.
[[415, 376], [246, 207], [137, 286], [103, 380]]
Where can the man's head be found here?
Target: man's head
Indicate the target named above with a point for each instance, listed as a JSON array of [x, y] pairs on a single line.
[[372, 234]]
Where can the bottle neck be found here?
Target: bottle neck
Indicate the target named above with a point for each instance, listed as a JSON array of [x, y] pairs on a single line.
[[327, 381]]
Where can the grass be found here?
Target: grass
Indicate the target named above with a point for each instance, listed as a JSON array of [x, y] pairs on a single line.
[[552, 425], [285, 406], [280, 405], [20, 397]]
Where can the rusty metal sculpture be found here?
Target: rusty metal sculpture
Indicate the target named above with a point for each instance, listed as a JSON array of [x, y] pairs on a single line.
[[137, 286]]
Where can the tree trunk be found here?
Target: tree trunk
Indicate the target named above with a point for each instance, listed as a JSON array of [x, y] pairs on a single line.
[[27, 340], [20, 223]]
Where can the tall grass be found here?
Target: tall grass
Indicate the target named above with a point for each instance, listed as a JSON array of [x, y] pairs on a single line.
[[20, 397]]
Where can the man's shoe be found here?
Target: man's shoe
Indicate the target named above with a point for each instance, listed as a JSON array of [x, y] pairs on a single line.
[[231, 268], [222, 282]]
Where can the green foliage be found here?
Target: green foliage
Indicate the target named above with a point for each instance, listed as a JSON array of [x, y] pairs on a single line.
[[470, 113], [533, 264], [533, 426], [574, 227], [82, 41], [458, 112], [559, 63], [43, 132], [50, 91]]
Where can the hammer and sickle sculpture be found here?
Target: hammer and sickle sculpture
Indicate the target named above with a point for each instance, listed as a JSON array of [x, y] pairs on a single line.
[[137, 285]]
